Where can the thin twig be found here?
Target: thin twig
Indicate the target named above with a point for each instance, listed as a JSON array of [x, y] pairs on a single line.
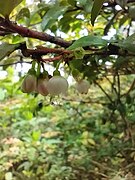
[[112, 85], [110, 23], [10, 64], [119, 89], [40, 50], [130, 89], [104, 92]]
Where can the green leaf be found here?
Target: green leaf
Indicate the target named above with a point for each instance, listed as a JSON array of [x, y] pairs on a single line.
[[6, 49], [2, 94], [127, 44], [120, 62], [79, 53], [8, 176], [123, 20], [72, 2], [7, 62], [88, 6], [89, 40], [26, 165], [52, 15], [36, 135], [95, 10], [82, 2], [24, 12], [122, 3], [7, 6]]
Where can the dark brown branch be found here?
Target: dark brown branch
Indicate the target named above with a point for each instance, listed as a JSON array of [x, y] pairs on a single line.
[[106, 53], [40, 51], [119, 86], [44, 50], [25, 32], [3, 33]]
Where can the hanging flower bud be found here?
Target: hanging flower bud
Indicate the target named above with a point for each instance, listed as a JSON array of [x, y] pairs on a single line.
[[57, 85], [29, 83], [42, 86], [83, 86]]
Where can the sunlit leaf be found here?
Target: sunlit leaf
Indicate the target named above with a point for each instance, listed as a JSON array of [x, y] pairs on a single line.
[[90, 40], [23, 13], [7, 6], [92, 142], [6, 49], [36, 135], [8, 176]]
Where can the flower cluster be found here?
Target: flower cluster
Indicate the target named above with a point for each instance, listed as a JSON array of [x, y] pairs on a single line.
[[54, 86]]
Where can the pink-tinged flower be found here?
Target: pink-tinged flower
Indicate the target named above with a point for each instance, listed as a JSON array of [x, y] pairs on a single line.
[[42, 86], [29, 84]]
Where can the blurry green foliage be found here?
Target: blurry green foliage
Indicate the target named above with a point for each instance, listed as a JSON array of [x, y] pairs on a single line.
[[73, 137]]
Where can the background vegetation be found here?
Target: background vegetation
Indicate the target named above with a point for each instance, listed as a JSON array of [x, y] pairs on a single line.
[[77, 136]]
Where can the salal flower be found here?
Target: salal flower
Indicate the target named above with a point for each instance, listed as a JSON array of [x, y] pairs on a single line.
[[57, 85], [83, 86], [42, 86], [29, 83]]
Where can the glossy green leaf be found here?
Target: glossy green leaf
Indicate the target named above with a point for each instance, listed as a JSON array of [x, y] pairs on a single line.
[[127, 44], [7, 6], [51, 16], [89, 40], [6, 49], [95, 10]]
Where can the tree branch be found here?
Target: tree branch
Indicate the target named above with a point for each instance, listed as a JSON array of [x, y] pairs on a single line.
[[14, 63], [107, 95], [40, 50], [56, 58], [25, 32], [130, 89]]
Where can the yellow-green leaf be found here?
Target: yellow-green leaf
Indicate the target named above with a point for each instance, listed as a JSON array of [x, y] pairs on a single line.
[[6, 49], [92, 142], [7, 6], [8, 176]]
